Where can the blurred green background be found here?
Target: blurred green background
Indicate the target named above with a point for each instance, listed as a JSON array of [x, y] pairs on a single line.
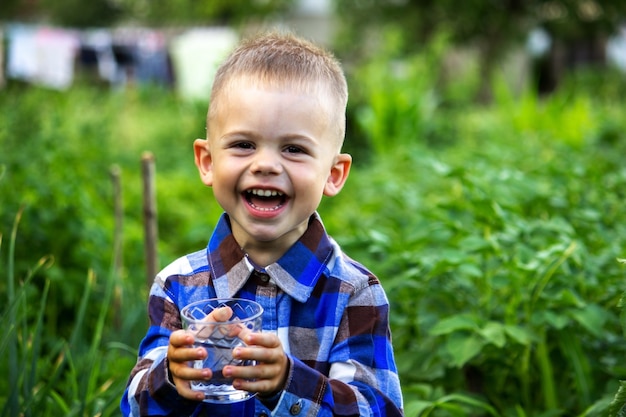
[[488, 196]]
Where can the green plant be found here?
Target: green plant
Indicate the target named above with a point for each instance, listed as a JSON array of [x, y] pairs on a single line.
[[51, 377], [395, 101], [617, 407], [494, 230], [498, 257]]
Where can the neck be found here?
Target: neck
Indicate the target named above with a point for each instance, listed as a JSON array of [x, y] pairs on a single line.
[[260, 257]]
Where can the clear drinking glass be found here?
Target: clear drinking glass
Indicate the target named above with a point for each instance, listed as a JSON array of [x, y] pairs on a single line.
[[219, 338]]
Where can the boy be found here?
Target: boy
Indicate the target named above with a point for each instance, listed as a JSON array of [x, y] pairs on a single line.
[[275, 127]]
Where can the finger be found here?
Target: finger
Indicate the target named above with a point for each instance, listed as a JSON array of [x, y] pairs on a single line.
[[185, 353], [262, 386], [263, 348], [261, 378], [184, 390], [179, 359], [178, 363], [181, 338], [268, 340], [257, 371], [258, 354], [267, 376], [242, 332], [268, 363], [185, 372], [219, 314]]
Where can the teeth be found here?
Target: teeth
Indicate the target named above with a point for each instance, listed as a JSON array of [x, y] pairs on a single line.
[[265, 193], [267, 208]]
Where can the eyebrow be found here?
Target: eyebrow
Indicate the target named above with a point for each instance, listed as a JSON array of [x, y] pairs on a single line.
[[250, 134]]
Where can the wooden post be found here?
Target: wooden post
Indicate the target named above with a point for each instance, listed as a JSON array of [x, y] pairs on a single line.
[[118, 237], [150, 216], [118, 210]]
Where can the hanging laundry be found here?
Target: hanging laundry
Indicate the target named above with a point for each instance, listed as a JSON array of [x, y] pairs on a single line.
[[124, 44], [22, 52], [153, 60], [53, 56], [96, 54], [142, 55], [616, 49], [56, 52], [43, 56], [196, 55]]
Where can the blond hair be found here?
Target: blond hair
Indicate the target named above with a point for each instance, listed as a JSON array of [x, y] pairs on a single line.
[[283, 60]]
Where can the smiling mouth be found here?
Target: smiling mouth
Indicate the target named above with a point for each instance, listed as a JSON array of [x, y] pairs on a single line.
[[265, 200]]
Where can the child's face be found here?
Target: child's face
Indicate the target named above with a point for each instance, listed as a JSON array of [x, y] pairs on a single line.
[[270, 157]]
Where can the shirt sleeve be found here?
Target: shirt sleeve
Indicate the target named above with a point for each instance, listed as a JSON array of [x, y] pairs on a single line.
[[149, 390], [363, 379]]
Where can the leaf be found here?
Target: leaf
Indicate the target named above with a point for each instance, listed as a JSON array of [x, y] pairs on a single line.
[[618, 405], [568, 296], [453, 324], [453, 256], [471, 270], [592, 317], [573, 351], [552, 413], [474, 243], [598, 408], [519, 334], [493, 332], [416, 407], [551, 319], [467, 400], [622, 315], [464, 347]]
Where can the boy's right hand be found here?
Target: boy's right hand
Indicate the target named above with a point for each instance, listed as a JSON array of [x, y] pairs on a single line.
[[181, 351]]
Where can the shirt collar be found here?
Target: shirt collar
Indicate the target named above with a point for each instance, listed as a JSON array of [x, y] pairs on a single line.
[[296, 272]]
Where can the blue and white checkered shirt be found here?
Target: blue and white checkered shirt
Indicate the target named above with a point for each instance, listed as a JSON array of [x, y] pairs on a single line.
[[330, 313]]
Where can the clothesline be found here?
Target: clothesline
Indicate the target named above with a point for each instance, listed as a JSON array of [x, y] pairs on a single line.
[[53, 57], [186, 59]]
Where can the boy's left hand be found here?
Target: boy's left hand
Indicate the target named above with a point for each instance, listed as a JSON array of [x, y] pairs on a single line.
[[268, 376]]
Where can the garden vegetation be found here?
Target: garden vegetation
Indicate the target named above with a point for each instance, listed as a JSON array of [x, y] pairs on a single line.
[[496, 229]]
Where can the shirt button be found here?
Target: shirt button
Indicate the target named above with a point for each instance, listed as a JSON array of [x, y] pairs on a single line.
[[264, 277], [295, 409]]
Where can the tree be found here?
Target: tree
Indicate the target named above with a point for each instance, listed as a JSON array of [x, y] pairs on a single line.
[[102, 13], [81, 14], [492, 26], [185, 12]]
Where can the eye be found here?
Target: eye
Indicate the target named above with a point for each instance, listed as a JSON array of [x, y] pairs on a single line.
[[294, 149], [243, 145]]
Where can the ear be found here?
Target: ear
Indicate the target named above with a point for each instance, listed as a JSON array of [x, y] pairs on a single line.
[[204, 160], [338, 174]]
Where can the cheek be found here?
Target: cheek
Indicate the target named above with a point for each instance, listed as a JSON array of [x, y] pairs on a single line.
[[224, 170], [313, 183], [221, 181]]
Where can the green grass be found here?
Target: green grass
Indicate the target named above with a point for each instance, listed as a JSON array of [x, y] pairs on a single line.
[[495, 230]]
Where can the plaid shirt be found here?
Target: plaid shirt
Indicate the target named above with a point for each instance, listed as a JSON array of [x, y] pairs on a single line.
[[330, 313]]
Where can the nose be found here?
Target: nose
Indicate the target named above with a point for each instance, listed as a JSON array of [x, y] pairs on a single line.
[[266, 162]]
